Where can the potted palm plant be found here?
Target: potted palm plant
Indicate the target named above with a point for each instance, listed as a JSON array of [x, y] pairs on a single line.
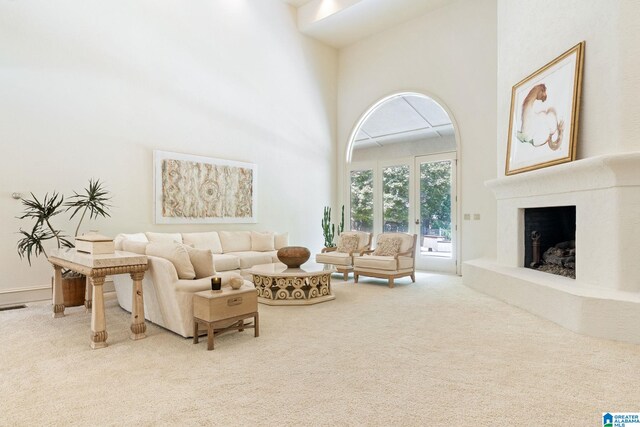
[[93, 201]]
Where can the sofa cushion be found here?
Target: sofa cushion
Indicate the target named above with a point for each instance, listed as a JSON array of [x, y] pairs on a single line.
[[347, 243], [364, 238], [224, 262], [235, 241], [281, 240], [135, 247], [164, 237], [388, 246], [207, 240], [273, 255], [177, 254], [250, 258], [136, 237], [335, 258], [262, 241], [202, 262], [383, 262]]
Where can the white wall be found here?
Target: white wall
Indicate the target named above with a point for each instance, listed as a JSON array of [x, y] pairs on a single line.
[[450, 55], [90, 88], [532, 33]]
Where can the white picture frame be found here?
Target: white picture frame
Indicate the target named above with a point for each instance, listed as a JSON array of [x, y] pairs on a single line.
[[191, 189]]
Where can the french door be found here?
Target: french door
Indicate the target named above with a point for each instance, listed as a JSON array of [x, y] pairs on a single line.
[[435, 212], [410, 195]]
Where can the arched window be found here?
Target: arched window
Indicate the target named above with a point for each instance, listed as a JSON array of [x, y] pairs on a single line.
[[401, 165]]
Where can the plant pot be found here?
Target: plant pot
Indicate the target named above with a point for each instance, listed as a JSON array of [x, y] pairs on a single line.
[[73, 290]]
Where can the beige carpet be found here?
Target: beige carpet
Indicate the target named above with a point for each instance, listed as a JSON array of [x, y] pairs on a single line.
[[430, 353]]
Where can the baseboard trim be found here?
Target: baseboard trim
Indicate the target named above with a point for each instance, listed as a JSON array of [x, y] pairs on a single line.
[[35, 293]]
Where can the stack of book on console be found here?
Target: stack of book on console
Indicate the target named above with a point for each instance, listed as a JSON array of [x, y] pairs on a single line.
[[95, 244]]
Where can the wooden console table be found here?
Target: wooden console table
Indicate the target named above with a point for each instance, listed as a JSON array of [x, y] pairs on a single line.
[[96, 267]]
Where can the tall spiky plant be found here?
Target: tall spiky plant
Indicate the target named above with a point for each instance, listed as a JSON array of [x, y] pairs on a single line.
[[328, 229], [31, 243], [94, 200]]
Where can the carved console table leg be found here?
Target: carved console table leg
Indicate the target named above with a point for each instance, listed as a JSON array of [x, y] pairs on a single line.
[[87, 295], [58, 300], [98, 323], [138, 327]]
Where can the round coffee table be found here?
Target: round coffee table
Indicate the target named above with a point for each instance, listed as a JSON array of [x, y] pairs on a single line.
[[279, 285]]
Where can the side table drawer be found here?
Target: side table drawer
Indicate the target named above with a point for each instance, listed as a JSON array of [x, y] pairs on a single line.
[[226, 305]]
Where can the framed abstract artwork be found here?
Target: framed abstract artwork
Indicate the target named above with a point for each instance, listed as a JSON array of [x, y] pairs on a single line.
[[543, 124], [196, 190]]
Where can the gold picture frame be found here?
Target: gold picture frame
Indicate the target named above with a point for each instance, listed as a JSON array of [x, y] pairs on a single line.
[[543, 124]]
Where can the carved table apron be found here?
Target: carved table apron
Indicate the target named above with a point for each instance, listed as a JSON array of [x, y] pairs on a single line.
[[96, 267], [279, 285]]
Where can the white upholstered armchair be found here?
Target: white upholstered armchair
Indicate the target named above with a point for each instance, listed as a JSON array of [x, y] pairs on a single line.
[[350, 245], [393, 257]]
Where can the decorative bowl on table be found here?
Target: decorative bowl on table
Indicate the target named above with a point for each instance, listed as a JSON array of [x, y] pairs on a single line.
[[293, 256]]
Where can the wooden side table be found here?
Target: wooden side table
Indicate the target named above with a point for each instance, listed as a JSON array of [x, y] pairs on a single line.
[[225, 310], [96, 267]]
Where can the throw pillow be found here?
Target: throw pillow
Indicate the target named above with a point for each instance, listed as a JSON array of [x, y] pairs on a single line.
[[202, 262], [205, 240], [164, 237], [347, 243], [281, 240], [136, 237], [177, 254], [135, 247], [262, 242], [235, 241], [388, 247]]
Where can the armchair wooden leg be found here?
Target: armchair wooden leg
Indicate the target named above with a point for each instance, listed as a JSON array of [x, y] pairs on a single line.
[[413, 277], [391, 285], [346, 276], [355, 277]]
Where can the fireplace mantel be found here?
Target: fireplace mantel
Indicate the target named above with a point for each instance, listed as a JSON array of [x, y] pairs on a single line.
[[606, 193], [594, 173]]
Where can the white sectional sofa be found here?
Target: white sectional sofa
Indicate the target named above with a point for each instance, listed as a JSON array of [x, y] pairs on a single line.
[[179, 267]]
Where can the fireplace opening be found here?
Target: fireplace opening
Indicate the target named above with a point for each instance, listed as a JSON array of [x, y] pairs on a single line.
[[549, 237]]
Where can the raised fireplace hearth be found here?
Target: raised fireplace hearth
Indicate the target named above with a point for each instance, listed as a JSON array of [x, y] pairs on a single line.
[[604, 194]]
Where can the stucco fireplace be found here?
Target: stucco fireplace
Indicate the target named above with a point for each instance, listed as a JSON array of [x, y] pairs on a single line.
[[604, 298]]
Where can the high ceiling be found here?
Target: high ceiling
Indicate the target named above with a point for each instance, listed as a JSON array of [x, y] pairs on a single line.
[[297, 3], [339, 23], [404, 118]]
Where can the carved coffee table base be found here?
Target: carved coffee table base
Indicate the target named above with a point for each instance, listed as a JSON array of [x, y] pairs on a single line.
[[300, 289]]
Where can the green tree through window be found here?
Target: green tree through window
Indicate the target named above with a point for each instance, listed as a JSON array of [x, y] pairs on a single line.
[[435, 198], [362, 200], [395, 190]]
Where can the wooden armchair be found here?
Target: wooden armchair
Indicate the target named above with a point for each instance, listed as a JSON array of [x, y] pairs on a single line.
[[394, 257], [341, 256]]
